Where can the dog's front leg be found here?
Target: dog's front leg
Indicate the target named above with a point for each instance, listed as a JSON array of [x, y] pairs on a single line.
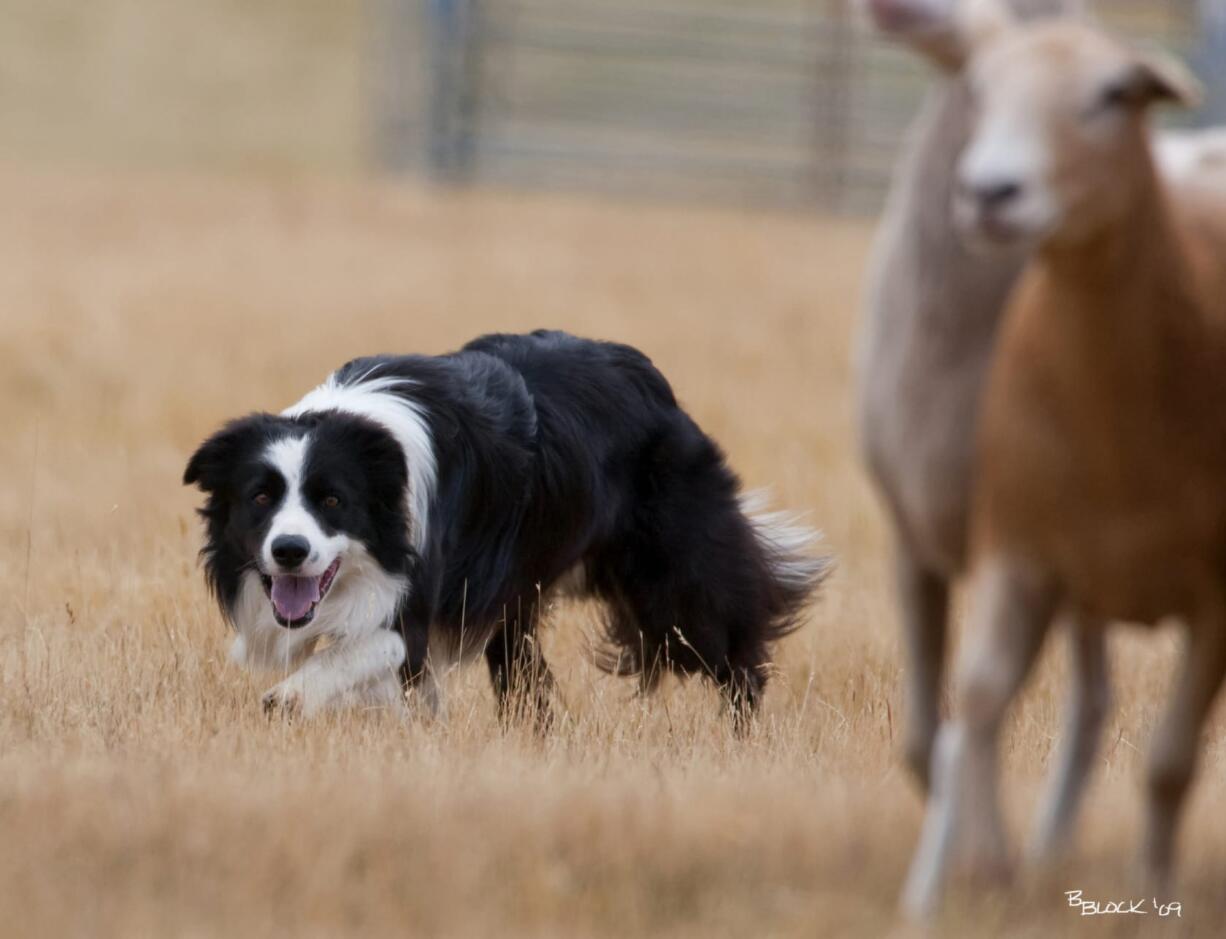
[[420, 670], [349, 669]]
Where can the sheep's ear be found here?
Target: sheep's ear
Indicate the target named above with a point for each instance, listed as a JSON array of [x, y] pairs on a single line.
[[978, 23], [1154, 79]]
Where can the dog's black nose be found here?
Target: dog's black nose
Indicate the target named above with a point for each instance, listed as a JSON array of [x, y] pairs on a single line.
[[290, 550]]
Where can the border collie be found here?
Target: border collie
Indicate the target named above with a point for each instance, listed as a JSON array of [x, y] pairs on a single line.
[[414, 511]]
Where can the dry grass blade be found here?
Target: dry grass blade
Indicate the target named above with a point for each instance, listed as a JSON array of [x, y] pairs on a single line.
[[143, 792]]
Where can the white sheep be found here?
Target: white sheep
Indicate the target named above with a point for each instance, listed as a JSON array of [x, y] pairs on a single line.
[[927, 336]]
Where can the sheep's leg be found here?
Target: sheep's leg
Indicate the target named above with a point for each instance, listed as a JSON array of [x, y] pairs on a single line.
[[924, 599], [1089, 702], [1010, 613], [1174, 748]]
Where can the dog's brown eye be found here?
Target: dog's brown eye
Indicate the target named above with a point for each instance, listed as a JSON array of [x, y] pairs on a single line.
[[262, 499], [331, 502]]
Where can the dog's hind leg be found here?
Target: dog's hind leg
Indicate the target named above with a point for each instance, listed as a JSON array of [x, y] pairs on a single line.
[[520, 675], [685, 608], [742, 688]]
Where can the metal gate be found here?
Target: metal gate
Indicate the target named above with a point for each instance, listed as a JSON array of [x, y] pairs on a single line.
[[790, 102]]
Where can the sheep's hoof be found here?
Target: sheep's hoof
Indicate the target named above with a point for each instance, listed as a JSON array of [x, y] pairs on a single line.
[[989, 872]]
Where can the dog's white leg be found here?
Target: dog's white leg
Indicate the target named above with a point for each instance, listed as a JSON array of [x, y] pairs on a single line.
[[339, 670], [238, 650], [1010, 612], [264, 649], [1088, 704], [385, 693]]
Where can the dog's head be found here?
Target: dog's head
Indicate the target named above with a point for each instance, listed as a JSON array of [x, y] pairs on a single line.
[[306, 504]]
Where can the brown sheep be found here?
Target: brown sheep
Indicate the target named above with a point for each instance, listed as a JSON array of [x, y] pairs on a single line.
[[1102, 446]]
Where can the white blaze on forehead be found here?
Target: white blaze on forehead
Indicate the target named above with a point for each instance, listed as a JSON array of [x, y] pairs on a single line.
[[1008, 143], [377, 400], [288, 457]]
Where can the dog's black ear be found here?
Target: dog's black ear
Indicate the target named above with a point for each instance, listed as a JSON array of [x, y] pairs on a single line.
[[212, 464]]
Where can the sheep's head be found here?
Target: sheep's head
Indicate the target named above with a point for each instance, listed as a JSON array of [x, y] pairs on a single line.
[[1059, 133]]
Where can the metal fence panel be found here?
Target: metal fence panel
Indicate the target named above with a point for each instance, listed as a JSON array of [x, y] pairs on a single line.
[[791, 102]]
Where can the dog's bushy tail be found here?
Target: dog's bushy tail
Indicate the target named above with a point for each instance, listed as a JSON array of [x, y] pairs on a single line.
[[796, 567], [705, 585]]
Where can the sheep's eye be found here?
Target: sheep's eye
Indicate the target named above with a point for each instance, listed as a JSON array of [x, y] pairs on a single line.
[[261, 499], [1118, 94], [331, 502]]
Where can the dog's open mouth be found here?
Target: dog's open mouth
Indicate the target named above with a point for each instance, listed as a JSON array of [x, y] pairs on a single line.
[[295, 599]]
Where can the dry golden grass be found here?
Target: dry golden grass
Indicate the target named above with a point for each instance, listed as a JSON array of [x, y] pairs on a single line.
[[142, 792], [273, 84]]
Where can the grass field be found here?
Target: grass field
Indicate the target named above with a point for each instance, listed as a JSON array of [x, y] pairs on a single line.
[[142, 791]]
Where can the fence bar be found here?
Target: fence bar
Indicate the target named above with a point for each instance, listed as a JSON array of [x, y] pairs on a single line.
[[1212, 59], [790, 102]]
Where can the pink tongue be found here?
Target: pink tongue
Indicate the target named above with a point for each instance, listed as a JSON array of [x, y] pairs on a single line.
[[292, 596]]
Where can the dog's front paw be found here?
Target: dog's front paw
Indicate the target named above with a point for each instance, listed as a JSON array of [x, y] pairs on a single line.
[[286, 698]]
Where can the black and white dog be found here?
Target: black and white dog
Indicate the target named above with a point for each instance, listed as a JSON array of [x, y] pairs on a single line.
[[412, 510]]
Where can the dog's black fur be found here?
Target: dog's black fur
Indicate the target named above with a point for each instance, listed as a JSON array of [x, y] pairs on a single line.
[[554, 454]]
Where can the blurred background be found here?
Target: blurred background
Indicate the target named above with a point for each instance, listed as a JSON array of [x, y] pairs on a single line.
[[785, 102], [210, 204]]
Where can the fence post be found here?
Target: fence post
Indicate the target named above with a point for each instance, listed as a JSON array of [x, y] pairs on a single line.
[[454, 34], [1213, 59], [392, 25], [832, 103]]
